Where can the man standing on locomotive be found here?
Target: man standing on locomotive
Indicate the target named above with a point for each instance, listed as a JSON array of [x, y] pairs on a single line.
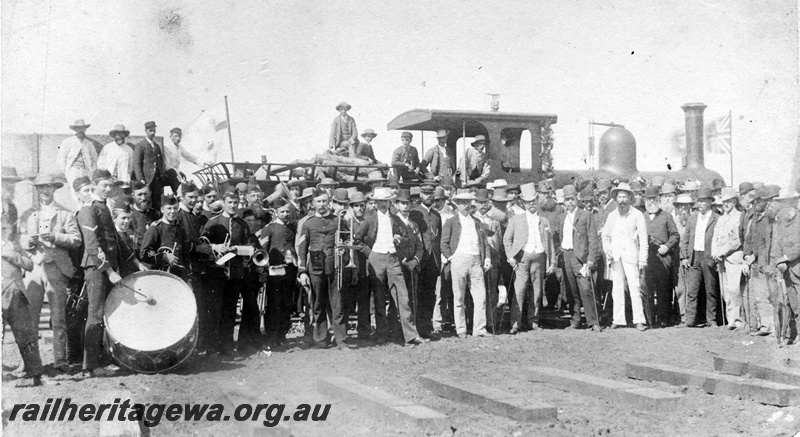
[[437, 161], [100, 263], [476, 162], [165, 245]]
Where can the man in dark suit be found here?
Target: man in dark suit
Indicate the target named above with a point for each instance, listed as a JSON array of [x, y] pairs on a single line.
[[387, 242], [429, 223], [580, 248], [663, 237], [148, 163], [696, 258], [405, 158]]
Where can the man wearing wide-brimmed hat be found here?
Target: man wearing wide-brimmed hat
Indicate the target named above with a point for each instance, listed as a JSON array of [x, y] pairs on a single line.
[[476, 162], [77, 156], [625, 245], [344, 133], [48, 231], [757, 244], [726, 249], [364, 148], [148, 163], [117, 156], [438, 162], [697, 259], [405, 159], [785, 261], [663, 246], [531, 253]]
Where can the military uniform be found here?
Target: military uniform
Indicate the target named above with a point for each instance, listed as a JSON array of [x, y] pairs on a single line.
[[278, 239], [163, 235], [140, 221]]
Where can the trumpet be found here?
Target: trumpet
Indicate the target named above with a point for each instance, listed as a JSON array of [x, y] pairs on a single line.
[[259, 258], [343, 235], [171, 250]]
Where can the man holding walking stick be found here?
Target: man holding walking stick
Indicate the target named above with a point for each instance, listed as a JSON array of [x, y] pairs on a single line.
[[726, 248]]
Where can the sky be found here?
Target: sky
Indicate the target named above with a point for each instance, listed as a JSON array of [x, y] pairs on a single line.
[[285, 65]]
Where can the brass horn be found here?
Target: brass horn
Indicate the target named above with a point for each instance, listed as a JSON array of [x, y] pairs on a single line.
[[259, 258]]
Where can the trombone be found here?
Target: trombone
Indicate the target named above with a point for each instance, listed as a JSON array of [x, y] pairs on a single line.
[[341, 236]]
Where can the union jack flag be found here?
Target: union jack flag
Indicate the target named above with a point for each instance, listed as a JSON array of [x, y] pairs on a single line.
[[718, 135]]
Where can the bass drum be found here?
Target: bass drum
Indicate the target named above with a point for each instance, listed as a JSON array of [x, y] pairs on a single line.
[[156, 336]]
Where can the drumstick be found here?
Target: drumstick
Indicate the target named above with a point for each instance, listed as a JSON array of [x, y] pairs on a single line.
[[148, 299]]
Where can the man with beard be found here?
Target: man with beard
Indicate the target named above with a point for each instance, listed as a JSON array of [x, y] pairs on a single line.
[[165, 233], [429, 223], [756, 258], [726, 248], [117, 156], [48, 232], [142, 214], [255, 201], [625, 245], [277, 239], [786, 260], [747, 195], [580, 247], [663, 237], [696, 258], [148, 163]]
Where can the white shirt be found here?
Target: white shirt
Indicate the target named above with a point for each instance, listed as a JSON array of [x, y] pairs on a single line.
[[118, 160], [173, 154], [625, 236], [384, 239], [442, 150], [700, 231], [534, 243], [468, 241], [566, 232]]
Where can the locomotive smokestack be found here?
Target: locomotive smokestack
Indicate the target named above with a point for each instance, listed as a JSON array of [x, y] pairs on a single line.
[[695, 129]]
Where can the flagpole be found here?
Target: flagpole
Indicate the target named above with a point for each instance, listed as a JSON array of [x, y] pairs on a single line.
[[230, 137], [730, 120]]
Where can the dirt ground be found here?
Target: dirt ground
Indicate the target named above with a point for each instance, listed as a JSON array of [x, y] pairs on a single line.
[[290, 377]]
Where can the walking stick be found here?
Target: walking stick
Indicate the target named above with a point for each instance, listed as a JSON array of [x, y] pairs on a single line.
[[782, 327], [488, 293], [684, 271]]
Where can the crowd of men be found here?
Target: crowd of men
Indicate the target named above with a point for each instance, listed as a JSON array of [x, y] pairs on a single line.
[[413, 262]]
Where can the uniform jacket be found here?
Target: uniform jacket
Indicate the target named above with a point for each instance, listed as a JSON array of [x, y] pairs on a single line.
[[516, 237], [687, 245], [430, 227], [437, 164], [217, 230], [199, 253], [727, 240], [336, 136], [278, 238], [100, 249], [406, 247], [164, 235], [585, 242], [451, 234], [140, 221], [64, 228], [148, 161]]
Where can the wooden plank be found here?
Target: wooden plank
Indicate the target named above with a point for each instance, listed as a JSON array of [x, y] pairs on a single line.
[[741, 368], [385, 404], [490, 399], [608, 389], [765, 392]]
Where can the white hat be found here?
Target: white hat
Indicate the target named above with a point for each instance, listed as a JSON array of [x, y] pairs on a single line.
[[382, 193]]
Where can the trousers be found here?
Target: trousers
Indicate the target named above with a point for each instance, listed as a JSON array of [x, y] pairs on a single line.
[[529, 270], [466, 270], [731, 276], [18, 316], [47, 278], [580, 291], [622, 272], [97, 289], [701, 271], [443, 308], [386, 274], [426, 296]]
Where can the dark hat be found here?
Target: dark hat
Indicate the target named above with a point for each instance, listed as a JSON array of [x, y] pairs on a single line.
[[569, 191], [513, 187], [138, 185], [43, 179], [357, 197], [307, 192], [480, 138], [403, 195], [232, 191], [120, 128], [279, 203], [296, 183], [587, 193], [101, 174], [176, 130], [637, 187], [207, 188], [150, 125], [121, 205], [651, 191], [768, 192], [602, 185], [446, 182], [318, 192], [122, 184], [393, 181], [717, 184], [343, 105], [79, 124], [757, 185], [704, 193], [341, 195], [369, 133], [438, 193], [80, 182], [245, 212], [187, 187], [482, 195], [428, 185], [168, 199], [406, 134], [744, 187], [415, 191]]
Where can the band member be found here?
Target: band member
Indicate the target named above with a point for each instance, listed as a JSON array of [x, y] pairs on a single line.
[[148, 163], [405, 158], [360, 278], [726, 248], [344, 133], [277, 238], [697, 259], [316, 245], [530, 250], [663, 237], [101, 266], [410, 264], [297, 203], [142, 213], [15, 305], [210, 197], [580, 247], [165, 245], [128, 259], [48, 232], [437, 160], [224, 283], [386, 243], [429, 223]]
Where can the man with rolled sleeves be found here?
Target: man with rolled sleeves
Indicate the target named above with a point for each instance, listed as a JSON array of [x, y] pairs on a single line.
[[48, 232], [697, 259], [663, 238], [405, 159], [100, 263], [148, 163], [530, 250], [429, 223], [580, 248], [726, 248]]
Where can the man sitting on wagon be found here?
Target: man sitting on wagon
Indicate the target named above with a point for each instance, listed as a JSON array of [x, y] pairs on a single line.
[[344, 133]]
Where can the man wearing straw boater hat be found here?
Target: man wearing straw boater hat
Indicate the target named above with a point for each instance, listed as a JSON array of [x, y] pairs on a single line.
[[581, 249], [697, 259], [530, 251], [625, 245], [148, 163], [437, 160], [48, 232], [663, 239], [344, 133], [117, 156], [77, 156]]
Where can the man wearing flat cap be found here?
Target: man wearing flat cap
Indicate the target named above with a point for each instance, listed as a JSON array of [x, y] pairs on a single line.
[[117, 156], [476, 162], [405, 158], [148, 163], [438, 162], [344, 133], [48, 231], [77, 155]]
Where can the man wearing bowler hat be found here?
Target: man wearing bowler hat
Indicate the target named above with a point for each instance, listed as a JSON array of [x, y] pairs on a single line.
[[77, 155], [697, 259], [405, 158], [663, 238], [48, 232], [438, 162], [117, 156], [581, 249], [344, 133], [148, 163]]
